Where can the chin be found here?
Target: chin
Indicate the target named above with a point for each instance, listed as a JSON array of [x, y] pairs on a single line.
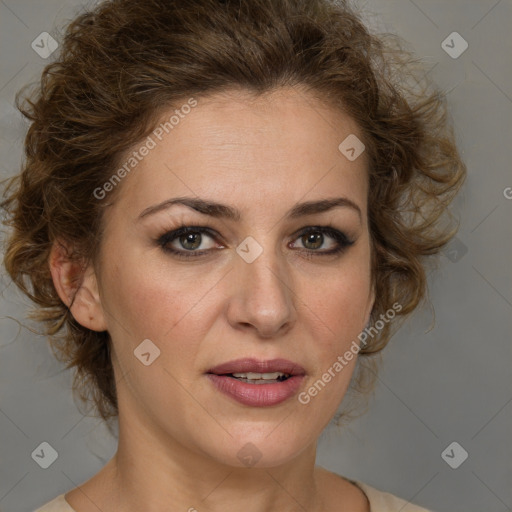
[[261, 448]]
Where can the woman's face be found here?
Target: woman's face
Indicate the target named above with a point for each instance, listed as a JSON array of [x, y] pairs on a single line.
[[253, 287]]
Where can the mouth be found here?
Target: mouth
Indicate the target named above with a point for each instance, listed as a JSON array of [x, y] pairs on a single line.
[[258, 383], [260, 378], [255, 370]]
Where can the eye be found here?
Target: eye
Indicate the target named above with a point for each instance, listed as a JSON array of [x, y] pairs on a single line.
[[313, 239], [188, 239]]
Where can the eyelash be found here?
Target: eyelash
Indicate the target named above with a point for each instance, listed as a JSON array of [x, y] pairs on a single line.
[[343, 241]]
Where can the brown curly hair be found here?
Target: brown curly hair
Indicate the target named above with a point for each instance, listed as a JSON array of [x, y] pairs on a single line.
[[123, 62]]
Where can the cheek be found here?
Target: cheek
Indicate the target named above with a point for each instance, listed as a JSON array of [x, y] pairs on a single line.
[[146, 303], [168, 305], [335, 324], [338, 303], [335, 319]]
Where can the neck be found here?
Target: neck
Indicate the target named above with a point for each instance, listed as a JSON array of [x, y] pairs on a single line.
[[153, 474]]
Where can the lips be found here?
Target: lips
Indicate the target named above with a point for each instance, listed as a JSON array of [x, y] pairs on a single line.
[[257, 390], [256, 366]]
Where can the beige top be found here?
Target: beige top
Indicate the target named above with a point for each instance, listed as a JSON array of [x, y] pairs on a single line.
[[379, 502]]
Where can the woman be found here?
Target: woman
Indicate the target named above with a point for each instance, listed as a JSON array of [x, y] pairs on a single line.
[[220, 199]]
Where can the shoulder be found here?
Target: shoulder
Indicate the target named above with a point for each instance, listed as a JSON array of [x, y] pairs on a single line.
[[359, 496], [58, 504], [385, 502]]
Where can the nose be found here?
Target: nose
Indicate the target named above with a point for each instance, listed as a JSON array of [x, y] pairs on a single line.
[[262, 298]]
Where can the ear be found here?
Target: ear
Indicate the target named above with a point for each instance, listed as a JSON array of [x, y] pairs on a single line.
[[77, 287]]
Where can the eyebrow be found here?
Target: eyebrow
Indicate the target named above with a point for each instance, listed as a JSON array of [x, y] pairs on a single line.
[[218, 210]]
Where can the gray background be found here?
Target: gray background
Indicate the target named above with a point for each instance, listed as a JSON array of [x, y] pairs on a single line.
[[452, 383]]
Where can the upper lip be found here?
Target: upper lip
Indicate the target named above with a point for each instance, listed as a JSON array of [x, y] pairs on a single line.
[[258, 366]]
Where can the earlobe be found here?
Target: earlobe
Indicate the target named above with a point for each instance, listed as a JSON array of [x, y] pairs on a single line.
[[77, 287]]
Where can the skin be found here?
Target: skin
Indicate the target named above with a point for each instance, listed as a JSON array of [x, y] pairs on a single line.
[[178, 436]]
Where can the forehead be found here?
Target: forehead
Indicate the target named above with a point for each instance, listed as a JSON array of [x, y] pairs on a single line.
[[277, 148]]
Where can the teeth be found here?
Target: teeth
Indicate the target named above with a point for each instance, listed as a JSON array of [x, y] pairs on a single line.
[[260, 376]]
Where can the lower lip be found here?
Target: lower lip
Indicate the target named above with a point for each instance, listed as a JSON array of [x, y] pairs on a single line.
[[257, 395]]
